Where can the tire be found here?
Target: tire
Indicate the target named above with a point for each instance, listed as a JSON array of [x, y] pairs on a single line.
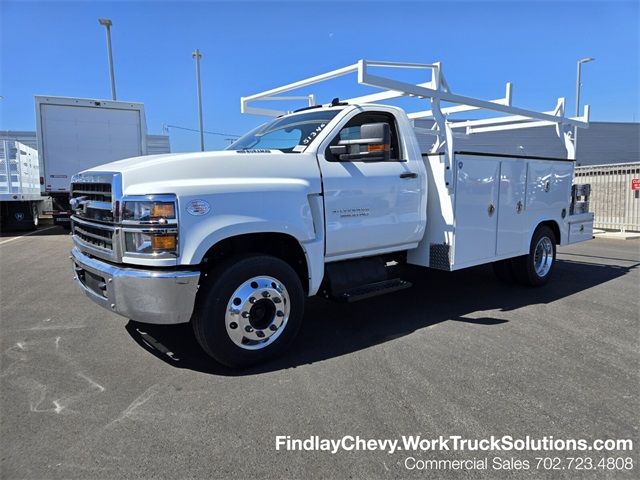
[[249, 309], [503, 269], [536, 268]]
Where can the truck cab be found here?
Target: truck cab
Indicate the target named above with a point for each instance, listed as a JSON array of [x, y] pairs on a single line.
[[316, 201], [373, 200]]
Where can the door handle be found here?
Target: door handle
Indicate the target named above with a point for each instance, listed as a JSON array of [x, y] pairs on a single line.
[[409, 175]]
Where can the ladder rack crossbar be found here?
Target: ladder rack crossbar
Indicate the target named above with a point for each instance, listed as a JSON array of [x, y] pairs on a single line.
[[436, 90]]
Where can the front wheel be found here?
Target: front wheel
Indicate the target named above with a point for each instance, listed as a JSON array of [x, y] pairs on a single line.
[[536, 268], [249, 309]]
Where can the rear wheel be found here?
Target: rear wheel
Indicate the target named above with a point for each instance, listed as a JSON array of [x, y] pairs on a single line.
[[536, 268], [249, 309]]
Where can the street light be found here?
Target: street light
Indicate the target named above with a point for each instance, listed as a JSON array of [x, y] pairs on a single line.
[[197, 56], [578, 85], [107, 24]]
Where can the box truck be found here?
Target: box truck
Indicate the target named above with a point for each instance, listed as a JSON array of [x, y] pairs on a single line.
[[75, 134]]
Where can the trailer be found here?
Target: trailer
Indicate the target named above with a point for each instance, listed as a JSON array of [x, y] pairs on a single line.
[[20, 198], [74, 134]]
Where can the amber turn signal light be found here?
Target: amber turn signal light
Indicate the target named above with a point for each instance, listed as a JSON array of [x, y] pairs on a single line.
[[163, 210], [163, 242], [379, 147]]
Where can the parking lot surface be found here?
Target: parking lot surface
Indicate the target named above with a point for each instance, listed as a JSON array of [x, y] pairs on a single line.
[[88, 394]]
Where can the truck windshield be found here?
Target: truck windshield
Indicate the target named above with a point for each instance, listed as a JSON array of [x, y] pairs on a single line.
[[290, 134]]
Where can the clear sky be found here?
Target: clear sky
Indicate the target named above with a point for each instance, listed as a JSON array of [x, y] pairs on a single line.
[[58, 48]]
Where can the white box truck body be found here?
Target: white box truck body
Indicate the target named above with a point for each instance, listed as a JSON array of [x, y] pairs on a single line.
[[75, 134]]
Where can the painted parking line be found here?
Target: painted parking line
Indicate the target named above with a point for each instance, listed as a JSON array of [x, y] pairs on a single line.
[[25, 235]]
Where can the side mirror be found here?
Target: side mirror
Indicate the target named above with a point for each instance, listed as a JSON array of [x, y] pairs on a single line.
[[374, 144]]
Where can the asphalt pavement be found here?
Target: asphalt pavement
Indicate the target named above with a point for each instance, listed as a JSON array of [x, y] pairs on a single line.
[[88, 394]]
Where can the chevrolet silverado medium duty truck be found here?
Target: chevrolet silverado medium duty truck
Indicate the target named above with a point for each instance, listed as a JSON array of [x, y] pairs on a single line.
[[320, 201]]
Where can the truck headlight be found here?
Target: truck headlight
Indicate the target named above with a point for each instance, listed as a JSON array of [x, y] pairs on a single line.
[[150, 225], [154, 211], [151, 242]]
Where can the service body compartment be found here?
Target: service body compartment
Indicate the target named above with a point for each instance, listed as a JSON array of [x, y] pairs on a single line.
[[511, 219], [580, 227], [498, 202], [476, 200], [548, 185]]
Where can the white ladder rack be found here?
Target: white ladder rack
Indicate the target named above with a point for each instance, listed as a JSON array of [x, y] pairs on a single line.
[[435, 91]]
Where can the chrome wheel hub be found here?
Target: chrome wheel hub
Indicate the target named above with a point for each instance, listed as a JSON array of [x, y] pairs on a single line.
[[257, 312], [543, 256]]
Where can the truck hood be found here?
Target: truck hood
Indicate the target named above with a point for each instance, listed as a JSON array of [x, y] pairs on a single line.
[[206, 172]]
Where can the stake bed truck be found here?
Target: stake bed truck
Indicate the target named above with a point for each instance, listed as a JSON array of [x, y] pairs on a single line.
[[320, 201], [19, 186]]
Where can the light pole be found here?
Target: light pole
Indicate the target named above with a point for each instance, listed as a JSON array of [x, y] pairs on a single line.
[[197, 56], [107, 24], [578, 85]]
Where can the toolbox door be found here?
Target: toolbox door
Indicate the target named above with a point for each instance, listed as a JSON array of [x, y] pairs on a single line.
[[513, 230], [580, 228], [476, 209]]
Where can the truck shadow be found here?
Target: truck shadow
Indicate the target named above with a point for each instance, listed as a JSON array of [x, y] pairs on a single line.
[[333, 329]]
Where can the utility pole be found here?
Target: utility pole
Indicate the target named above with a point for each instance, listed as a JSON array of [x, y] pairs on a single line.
[[197, 56], [107, 24], [578, 85]]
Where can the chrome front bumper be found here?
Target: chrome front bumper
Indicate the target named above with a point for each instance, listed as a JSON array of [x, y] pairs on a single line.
[[149, 296]]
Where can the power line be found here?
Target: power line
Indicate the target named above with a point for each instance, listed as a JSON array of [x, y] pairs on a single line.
[[166, 127]]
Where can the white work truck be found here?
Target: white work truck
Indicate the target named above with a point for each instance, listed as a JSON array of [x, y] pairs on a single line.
[[320, 201]]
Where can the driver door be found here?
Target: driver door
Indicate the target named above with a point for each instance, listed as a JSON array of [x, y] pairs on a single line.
[[370, 206]]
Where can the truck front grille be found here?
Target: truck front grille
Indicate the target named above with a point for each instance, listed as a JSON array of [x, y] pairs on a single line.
[[97, 236], [95, 197], [98, 192], [93, 201]]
